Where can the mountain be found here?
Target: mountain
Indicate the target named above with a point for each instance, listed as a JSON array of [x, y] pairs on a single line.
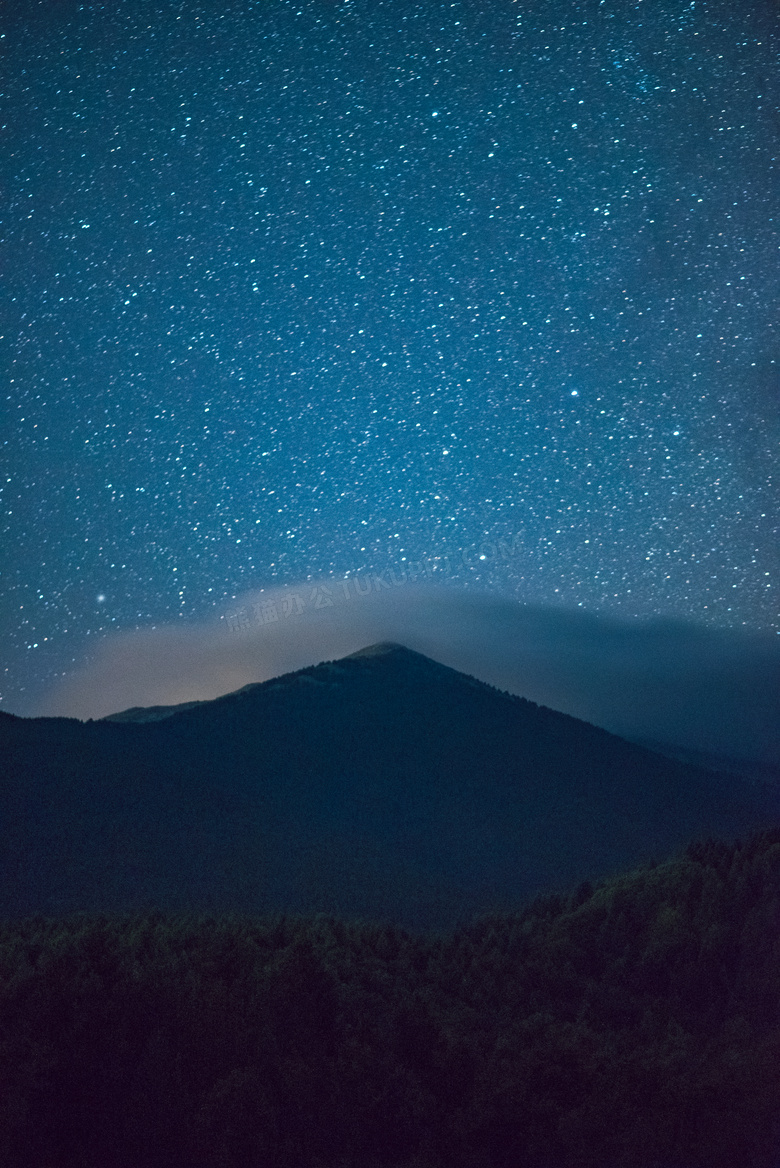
[[381, 785], [749, 768], [149, 713]]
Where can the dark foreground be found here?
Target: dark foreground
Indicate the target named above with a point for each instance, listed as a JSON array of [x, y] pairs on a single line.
[[632, 1026]]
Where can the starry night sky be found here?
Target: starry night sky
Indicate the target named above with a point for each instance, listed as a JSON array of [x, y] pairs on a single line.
[[299, 289]]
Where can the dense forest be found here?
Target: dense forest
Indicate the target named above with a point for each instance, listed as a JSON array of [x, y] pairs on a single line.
[[631, 1025]]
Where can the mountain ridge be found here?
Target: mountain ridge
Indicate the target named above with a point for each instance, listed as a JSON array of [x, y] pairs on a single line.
[[378, 650], [382, 785]]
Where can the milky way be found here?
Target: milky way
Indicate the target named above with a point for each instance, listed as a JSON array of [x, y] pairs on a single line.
[[307, 289]]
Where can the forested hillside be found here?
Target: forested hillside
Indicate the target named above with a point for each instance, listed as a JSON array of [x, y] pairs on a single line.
[[635, 1025]]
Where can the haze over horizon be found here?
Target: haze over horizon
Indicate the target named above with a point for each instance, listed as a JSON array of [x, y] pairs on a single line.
[[708, 689]]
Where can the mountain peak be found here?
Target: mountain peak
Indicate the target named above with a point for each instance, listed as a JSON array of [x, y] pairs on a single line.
[[380, 649], [388, 786]]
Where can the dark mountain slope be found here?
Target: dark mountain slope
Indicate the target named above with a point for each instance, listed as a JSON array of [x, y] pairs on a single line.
[[747, 768], [383, 784], [150, 713]]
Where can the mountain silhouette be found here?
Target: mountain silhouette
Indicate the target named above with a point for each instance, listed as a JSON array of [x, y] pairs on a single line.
[[383, 785]]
